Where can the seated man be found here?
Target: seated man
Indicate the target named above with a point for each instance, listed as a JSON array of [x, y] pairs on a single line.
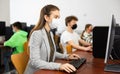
[[72, 38], [18, 38], [16, 41]]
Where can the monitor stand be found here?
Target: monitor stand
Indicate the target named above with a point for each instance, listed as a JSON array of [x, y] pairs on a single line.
[[112, 67]]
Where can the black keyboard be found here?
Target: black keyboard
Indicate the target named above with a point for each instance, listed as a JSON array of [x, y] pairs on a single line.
[[77, 62]]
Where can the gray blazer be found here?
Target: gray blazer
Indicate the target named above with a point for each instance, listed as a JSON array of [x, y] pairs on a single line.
[[40, 52]]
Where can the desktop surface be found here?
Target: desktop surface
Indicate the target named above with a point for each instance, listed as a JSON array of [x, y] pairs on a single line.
[[92, 65], [3, 49]]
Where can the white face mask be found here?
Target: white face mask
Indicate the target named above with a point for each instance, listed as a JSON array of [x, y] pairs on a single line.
[[54, 23], [13, 30]]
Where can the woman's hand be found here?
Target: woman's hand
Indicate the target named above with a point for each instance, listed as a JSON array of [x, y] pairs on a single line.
[[67, 67], [73, 56]]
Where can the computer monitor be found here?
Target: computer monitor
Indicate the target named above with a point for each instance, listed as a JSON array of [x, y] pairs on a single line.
[[109, 48], [24, 26], [29, 29], [2, 32], [8, 33], [2, 28]]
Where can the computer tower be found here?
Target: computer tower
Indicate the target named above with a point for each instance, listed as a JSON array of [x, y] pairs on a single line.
[[100, 34]]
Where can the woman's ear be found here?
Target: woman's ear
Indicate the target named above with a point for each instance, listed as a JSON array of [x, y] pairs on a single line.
[[46, 17]]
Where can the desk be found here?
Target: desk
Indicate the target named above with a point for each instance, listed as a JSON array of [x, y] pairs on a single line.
[[3, 49], [92, 66]]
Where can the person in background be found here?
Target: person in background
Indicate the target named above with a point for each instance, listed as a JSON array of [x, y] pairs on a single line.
[[18, 39], [87, 33], [42, 47], [16, 42], [72, 38]]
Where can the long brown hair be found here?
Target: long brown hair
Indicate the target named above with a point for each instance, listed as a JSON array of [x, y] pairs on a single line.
[[46, 10], [86, 26]]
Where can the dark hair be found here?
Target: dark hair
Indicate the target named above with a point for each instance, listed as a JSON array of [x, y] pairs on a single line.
[[86, 26], [46, 10], [69, 19], [18, 25]]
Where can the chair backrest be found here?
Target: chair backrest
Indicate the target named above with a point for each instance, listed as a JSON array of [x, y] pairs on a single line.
[[20, 61], [26, 48], [61, 47], [56, 38], [69, 49], [57, 43]]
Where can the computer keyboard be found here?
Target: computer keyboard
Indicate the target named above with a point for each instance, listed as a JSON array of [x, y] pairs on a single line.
[[77, 62]]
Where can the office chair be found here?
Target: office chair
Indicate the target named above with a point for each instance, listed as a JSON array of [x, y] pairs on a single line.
[[26, 48], [20, 60], [57, 43], [68, 48], [61, 47]]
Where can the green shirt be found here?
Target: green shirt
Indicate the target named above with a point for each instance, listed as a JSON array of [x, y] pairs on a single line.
[[17, 41]]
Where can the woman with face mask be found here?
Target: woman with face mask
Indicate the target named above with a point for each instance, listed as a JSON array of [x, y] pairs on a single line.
[[72, 38], [42, 47]]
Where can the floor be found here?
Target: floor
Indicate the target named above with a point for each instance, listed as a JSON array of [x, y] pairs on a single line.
[[11, 72]]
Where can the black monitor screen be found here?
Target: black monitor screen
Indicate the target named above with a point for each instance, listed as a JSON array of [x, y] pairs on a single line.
[[24, 26], [8, 33], [2, 28]]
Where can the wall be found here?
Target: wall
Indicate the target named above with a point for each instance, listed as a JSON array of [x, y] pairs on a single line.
[[5, 11], [96, 12]]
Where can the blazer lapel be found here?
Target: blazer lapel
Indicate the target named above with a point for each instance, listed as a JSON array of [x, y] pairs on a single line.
[[46, 43]]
